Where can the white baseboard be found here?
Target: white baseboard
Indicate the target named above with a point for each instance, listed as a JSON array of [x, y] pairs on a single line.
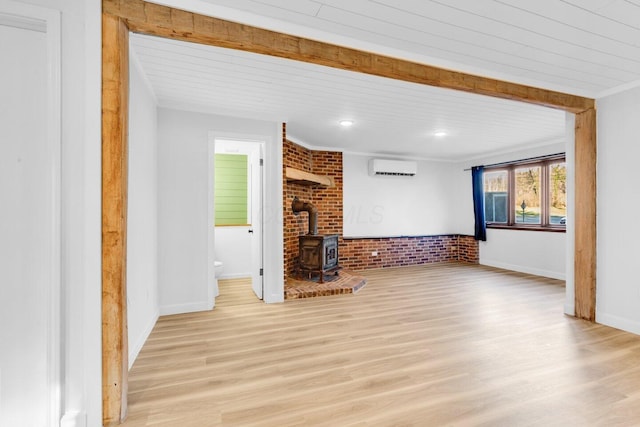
[[618, 322], [137, 346], [186, 308], [274, 298], [570, 309], [235, 276], [74, 419], [524, 269]]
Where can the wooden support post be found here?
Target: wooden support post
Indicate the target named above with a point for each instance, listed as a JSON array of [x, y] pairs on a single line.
[[115, 93], [585, 215]]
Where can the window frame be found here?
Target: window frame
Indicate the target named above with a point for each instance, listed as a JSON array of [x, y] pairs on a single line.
[[510, 167]]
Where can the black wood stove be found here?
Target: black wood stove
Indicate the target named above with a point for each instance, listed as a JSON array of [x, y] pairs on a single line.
[[317, 253]]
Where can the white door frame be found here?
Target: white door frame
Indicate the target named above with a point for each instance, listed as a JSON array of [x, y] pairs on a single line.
[[47, 21], [228, 136]]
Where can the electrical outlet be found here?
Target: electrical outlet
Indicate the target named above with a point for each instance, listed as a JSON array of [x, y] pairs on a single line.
[[374, 253]]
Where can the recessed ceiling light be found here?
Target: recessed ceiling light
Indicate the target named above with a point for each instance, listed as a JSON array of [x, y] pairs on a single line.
[[346, 123], [440, 133]]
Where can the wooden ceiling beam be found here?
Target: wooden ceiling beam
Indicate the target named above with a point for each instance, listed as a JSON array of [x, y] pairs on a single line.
[[163, 21]]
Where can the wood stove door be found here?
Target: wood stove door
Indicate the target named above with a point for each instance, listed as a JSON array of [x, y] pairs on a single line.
[[311, 253]]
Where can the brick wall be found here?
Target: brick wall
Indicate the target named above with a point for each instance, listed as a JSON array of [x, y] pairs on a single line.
[[468, 249], [328, 200], [355, 254], [294, 225]]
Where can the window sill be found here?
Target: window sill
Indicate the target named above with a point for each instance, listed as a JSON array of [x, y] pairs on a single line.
[[552, 229]]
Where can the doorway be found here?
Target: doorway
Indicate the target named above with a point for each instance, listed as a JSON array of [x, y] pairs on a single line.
[[236, 201]]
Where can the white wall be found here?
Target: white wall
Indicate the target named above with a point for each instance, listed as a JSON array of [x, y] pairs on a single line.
[[183, 162], [386, 206], [29, 227], [142, 214], [80, 335], [618, 292], [541, 253], [81, 214], [534, 252], [438, 200], [233, 249], [80, 338]]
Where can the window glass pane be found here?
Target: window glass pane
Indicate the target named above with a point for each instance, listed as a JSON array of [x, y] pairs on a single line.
[[231, 189], [527, 195], [496, 186], [558, 193]]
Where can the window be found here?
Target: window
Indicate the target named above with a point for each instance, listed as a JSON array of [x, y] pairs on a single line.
[[496, 190], [558, 193], [231, 189], [528, 200], [528, 194]]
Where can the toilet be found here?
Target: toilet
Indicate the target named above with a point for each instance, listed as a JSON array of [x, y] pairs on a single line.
[[217, 265]]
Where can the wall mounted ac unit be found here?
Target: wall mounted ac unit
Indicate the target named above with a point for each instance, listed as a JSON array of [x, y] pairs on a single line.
[[392, 167]]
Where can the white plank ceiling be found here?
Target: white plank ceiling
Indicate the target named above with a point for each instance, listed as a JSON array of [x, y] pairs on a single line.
[[583, 47]]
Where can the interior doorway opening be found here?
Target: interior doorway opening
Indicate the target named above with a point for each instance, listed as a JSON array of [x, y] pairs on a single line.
[[236, 200]]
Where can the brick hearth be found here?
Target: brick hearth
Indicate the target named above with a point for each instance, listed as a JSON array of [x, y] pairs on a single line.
[[345, 282]]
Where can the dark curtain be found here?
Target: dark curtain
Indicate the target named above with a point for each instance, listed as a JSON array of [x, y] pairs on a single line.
[[478, 203]]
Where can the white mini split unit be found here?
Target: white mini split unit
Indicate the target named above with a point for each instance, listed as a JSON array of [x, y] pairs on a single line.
[[384, 167]]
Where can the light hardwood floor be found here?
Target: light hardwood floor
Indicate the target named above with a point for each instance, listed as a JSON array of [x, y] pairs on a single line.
[[235, 292], [436, 345]]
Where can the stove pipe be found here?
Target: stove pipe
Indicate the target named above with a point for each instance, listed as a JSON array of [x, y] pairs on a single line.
[[298, 206]]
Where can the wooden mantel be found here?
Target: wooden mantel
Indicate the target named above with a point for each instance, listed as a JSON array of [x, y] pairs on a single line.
[[306, 178]]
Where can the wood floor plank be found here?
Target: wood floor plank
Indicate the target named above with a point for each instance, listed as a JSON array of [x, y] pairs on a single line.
[[443, 344]]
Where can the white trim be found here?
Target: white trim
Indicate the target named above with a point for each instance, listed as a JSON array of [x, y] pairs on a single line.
[[85, 397], [24, 23], [54, 131], [269, 245], [311, 147], [273, 217], [618, 322], [135, 349], [235, 276], [133, 55], [516, 149], [519, 148], [570, 237], [212, 288], [570, 309], [524, 269], [189, 307], [615, 90], [74, 419]]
